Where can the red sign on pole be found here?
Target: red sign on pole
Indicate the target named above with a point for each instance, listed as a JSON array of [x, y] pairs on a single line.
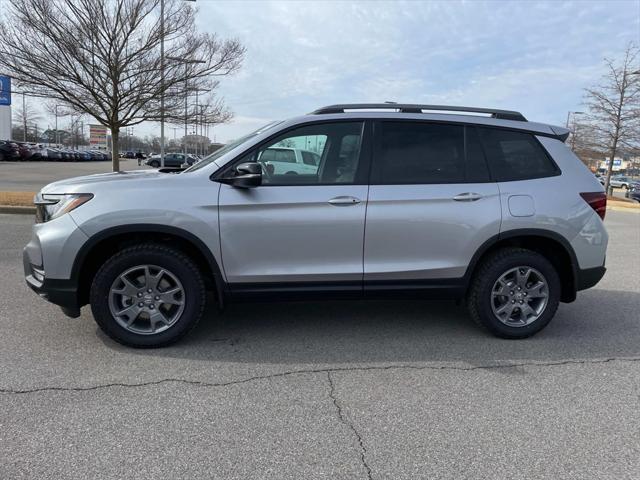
[[98, 136]]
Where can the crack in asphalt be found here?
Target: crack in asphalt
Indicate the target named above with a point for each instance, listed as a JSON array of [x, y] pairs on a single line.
[[200, 383], [351, 426]]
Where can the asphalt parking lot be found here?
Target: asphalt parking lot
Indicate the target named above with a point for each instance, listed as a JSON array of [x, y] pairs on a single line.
[[32, 176], [375, 390]]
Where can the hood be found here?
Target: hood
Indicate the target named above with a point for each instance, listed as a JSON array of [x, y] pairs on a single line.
[[89, 183]]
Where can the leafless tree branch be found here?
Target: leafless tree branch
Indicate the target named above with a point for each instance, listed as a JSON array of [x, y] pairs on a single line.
[[102, 57]]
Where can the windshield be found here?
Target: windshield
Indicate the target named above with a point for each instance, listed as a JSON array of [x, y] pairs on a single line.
[[228, 147]]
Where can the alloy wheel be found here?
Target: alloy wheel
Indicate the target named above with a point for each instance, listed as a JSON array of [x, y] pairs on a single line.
[[519, 296], [146, 299]]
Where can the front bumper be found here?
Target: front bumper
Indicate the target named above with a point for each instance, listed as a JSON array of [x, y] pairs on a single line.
[[63, 293], [48, 259]]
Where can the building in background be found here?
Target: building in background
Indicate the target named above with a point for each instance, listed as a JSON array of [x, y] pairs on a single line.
[[627, 165]]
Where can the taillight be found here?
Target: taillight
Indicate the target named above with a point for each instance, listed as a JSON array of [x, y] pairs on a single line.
[[597, 201]]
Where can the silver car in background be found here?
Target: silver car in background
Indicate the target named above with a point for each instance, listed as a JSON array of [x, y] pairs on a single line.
[[472, 204]]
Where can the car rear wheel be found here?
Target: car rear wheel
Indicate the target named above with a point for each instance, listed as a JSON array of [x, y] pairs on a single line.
[[154, 164], [148, 295], [515, 293]]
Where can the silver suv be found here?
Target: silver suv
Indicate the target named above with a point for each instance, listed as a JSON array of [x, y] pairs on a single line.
[[439, 202]]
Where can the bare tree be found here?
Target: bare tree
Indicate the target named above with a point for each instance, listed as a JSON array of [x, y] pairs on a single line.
[[614, 107], [25, 115], [102, 57], [584, 142]]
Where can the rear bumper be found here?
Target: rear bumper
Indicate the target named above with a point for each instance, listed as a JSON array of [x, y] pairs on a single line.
[[589, 277]]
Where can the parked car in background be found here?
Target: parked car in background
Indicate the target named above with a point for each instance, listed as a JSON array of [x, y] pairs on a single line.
[[97, 155], [173, 160], [9, 151], [620, 181], [85, 155], [25, 150], [633, 192], [129, 154], [290, 161], [54, 154], [40, 152]]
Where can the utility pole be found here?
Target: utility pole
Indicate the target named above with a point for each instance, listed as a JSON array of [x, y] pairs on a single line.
[[186, 95], [186, 98], [162, 58], [573, 128], [161, 83], [57, 134], [24, 118]]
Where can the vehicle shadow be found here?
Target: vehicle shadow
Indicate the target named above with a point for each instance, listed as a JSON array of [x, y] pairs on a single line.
[[600, 324]]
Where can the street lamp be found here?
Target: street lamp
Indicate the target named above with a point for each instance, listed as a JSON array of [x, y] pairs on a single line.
[[57, 132], [162, 81], [186, 94], [569, 116]]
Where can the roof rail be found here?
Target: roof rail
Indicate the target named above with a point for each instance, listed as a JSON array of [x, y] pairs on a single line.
[[414, 108]]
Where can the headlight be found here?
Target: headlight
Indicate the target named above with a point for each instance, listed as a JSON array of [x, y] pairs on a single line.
[[53, 205]]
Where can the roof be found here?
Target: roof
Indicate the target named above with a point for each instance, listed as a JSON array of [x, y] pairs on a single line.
[[417, 108], [474, 115]]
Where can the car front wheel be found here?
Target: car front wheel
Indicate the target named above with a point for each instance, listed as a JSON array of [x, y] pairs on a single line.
[[148, 295], [515, 293]]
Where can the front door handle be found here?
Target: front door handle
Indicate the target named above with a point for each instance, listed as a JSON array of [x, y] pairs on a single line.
[[344, 201], [467, 197]]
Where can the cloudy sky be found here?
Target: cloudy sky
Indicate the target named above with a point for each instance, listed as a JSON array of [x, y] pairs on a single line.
[[535, 57]]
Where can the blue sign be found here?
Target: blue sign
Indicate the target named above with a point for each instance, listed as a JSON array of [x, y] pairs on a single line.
[[5, 90]]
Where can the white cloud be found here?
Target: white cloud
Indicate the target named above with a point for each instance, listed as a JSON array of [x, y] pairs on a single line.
[[532, 56], [535, 57]]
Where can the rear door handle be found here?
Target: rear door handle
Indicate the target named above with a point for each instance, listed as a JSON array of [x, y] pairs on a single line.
[[344, 201], [467, 197]]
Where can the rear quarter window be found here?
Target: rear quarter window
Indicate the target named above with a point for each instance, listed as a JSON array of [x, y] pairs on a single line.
[[515, 155]]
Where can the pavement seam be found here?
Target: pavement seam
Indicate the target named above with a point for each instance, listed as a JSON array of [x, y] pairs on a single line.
[[199, 383], [343, 419]]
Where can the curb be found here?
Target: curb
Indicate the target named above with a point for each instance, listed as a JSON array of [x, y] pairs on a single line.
[[621, 208], [17, 209]]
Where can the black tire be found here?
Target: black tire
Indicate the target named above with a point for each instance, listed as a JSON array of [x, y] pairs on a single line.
[[154, 164], [175, 261], [480, 292]]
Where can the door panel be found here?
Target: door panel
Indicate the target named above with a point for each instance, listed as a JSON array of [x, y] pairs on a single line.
[[299, 228], [419, 232], [292, 233], [431, 204]]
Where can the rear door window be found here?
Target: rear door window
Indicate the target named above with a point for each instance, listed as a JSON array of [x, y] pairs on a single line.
[[428, 153]]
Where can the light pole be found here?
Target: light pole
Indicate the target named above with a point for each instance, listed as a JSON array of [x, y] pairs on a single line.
[[186, 95], [569, 116], [574, 128], [24, 118], [162, 81], [195, 116], [57, 134]]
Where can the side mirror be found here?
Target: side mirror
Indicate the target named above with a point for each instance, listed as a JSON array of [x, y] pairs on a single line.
[[248, 175]]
